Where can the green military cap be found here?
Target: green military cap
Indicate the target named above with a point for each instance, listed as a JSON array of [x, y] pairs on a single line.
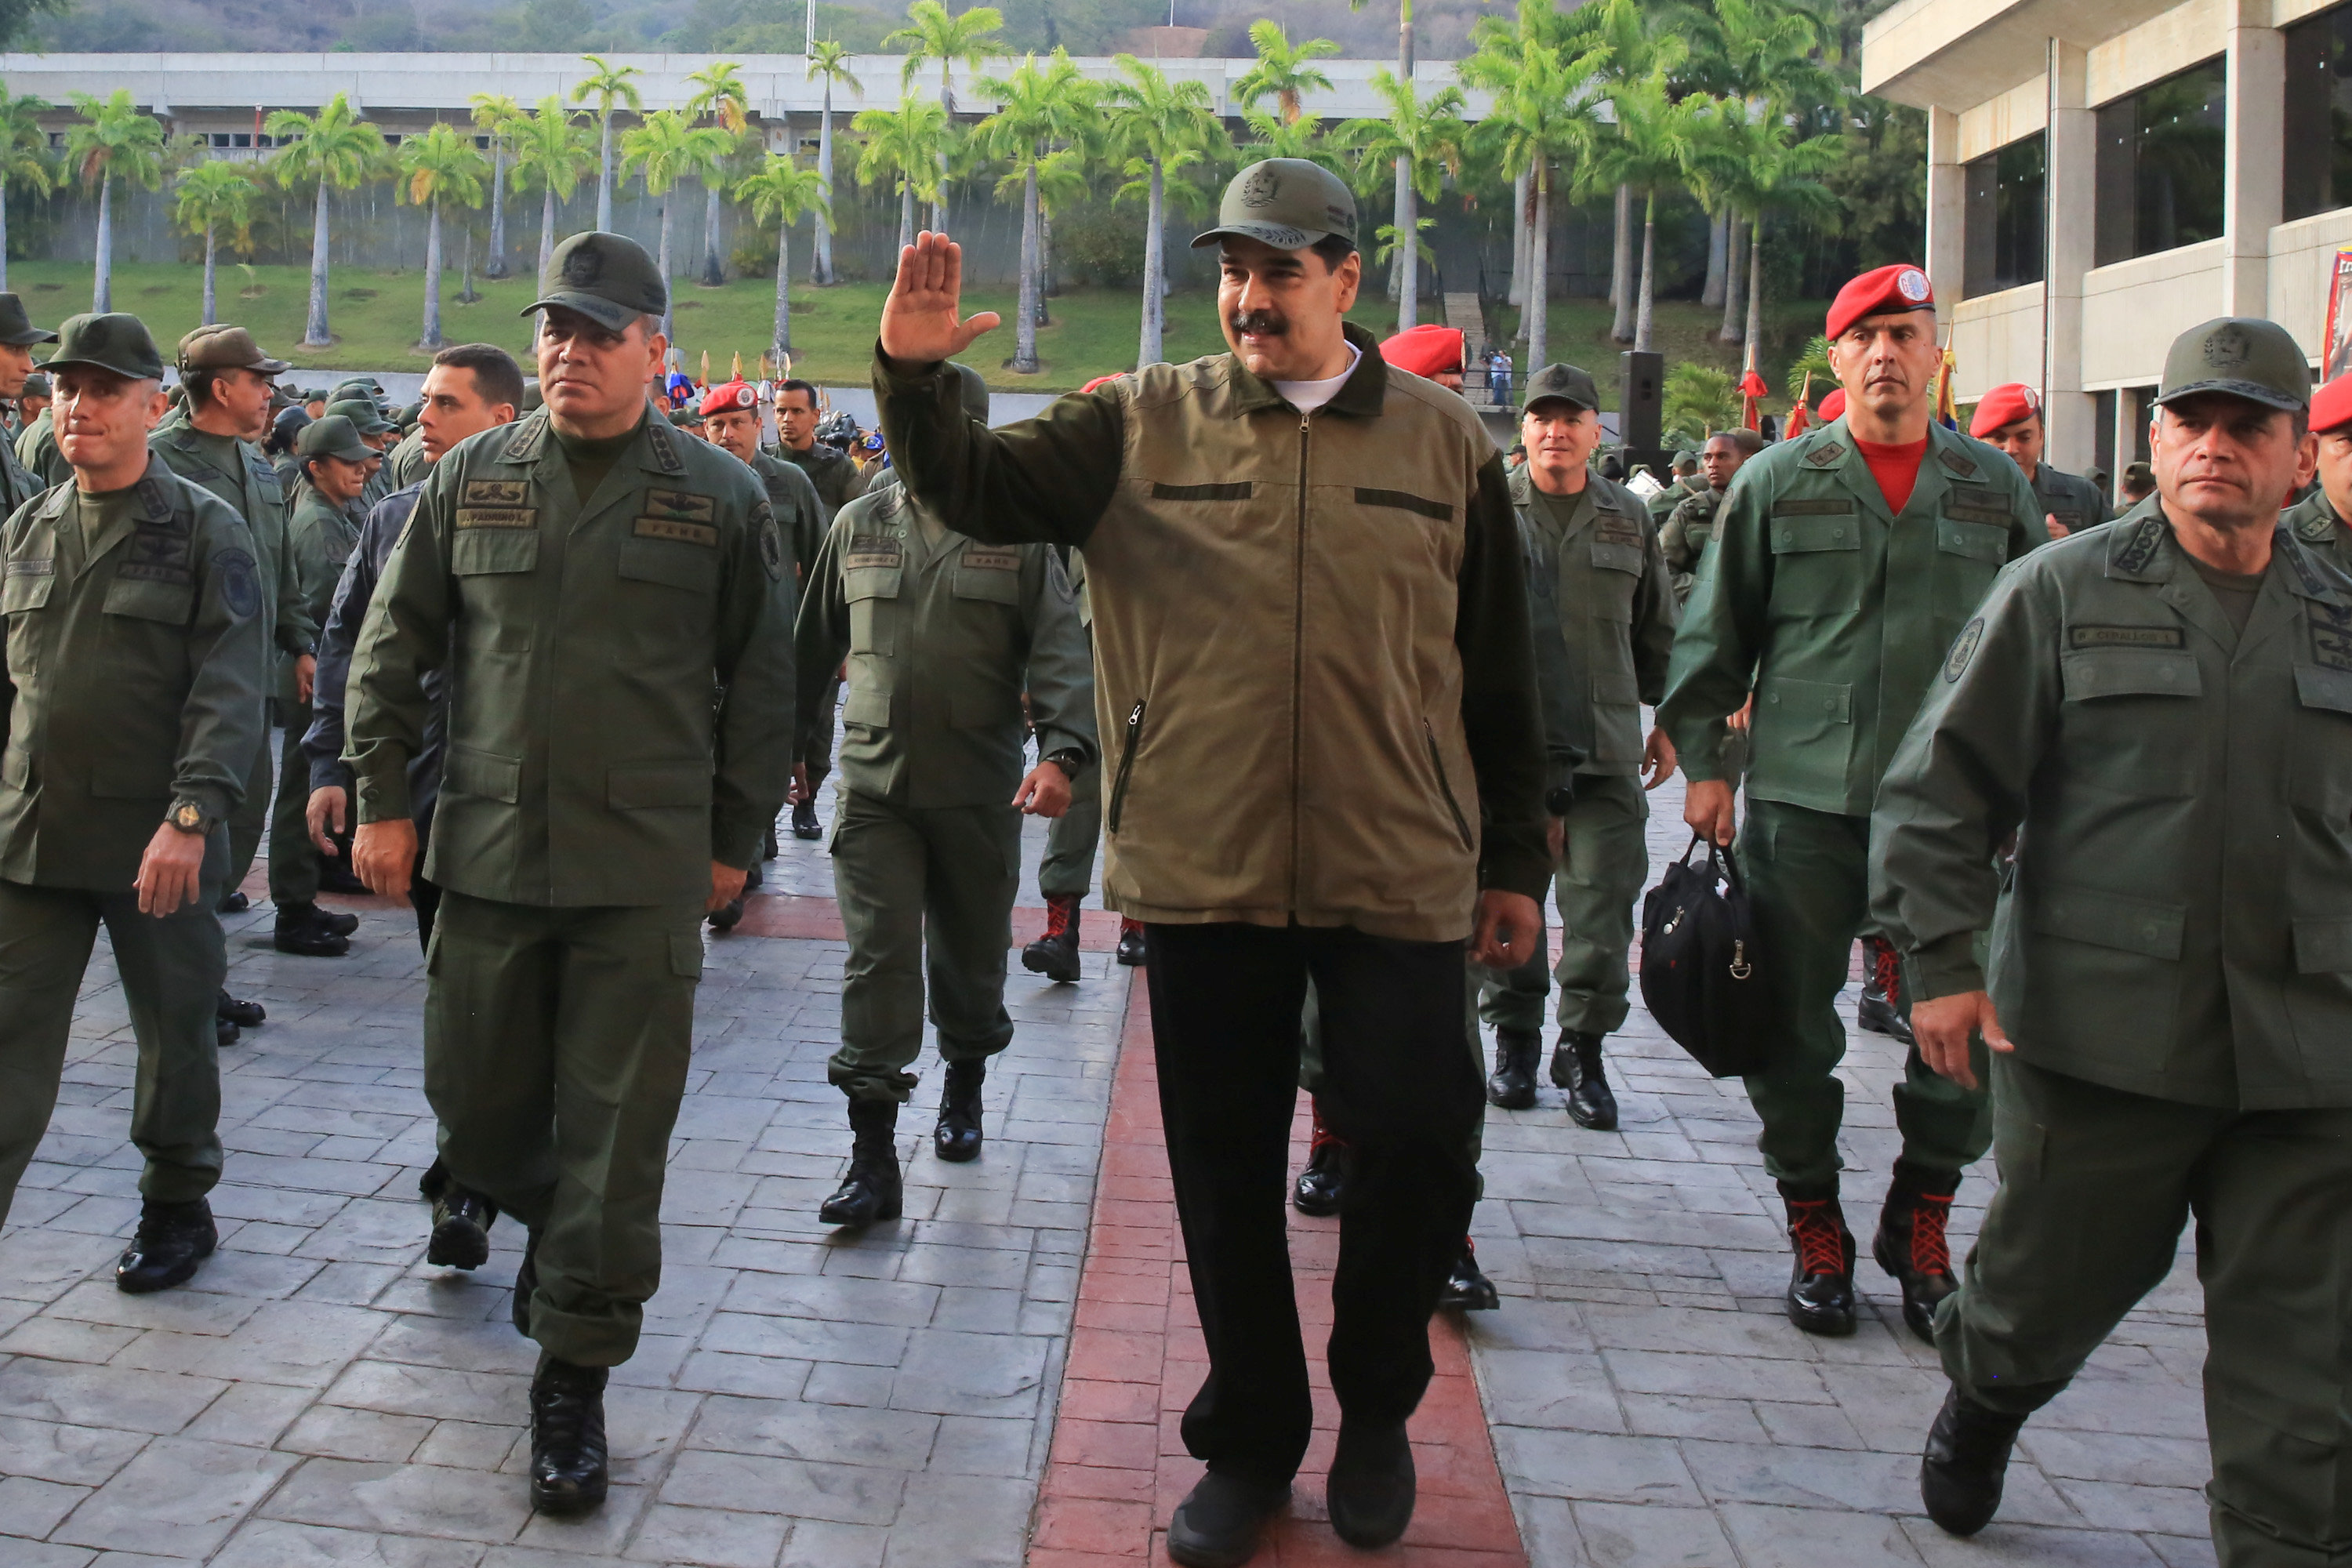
[[2138, 474], [36, 385], [360, 413], [1287, 203], [2241, 356], [974, 392], [1561, 384], [116, 343], [1685, 460], [17, 328], [226, 348], [607, 278], [331, 435], [684, 418], [407, 414]]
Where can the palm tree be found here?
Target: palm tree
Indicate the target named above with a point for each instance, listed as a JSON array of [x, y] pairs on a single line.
[[338, 150], [1500, 46], [908, 143], [1272, 137], [1641, 44], [612, 86], [1423, 140], [24, 158], [1771, 171], [213, 195], [1758, 52], [662, 150], [930, 34], [1159, 127], [1541, 117], [718, 93], [779, 190], [551, 148], [496, 114], [1659, 142], [1285, 73], [1035, 108], [437, 167], [829, 61], [113, 142]]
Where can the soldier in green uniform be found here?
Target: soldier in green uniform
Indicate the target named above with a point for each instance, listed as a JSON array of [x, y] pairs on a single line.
[[32, 401], [610, 603], [2161, 713], [2009, 417], [839, 483], [407, 462], [1683, 537], [1686, 483], [18, 336], [1603, 614], [943, 634], [2320, 519], [1066, 871], [131, 675], [375, 433], [1844, 563]]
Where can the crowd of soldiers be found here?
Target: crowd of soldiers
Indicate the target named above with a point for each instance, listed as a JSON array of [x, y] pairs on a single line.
[[549, 667]]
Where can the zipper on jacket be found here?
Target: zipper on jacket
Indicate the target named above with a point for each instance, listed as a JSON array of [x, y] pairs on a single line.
[[1298, 654], [1461, 823], [1126, 761]]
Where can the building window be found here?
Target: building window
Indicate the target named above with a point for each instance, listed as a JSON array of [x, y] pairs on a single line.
[[241, 138], [2319, 113], [2004, 218], [2160, 165]]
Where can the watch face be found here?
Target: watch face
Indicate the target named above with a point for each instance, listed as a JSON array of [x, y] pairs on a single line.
[[189, 817]]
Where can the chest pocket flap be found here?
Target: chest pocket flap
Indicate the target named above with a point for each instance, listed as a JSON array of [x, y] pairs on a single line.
[[2328, 688], [170, 603], [1613, 550], [1801, 534], [2094, 672], [989, 573], [694, 567], [869, 583], [479, 551], [28, 590], [1976, 541]]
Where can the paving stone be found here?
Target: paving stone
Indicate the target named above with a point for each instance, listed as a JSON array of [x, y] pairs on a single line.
[[714, 1537], [274, 1543], [179, 1497]]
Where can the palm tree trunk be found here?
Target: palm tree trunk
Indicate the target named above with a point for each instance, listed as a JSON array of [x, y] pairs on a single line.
[[1155, 265], [1047, 285], [783, 343], [1620, 268], [547, 229], [1734, 287], [1539, 271], [496, 266], [4, 233], [101, 293], [210, 312], [1403, 193], [1522, 199], [605, 179], [822, 273], [667, 306], [1024, 355], [1755, 277], [905, 214], [431, 336], [1408, 218], [314, 330], [1718, 253], [713, 274], [1645, 311]]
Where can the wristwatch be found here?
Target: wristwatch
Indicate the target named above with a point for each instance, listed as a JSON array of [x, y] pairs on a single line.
[[191, 815], [1069, 759]]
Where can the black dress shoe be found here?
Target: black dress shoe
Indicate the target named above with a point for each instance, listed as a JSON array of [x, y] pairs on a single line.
[[341, 922], [727, 916], [526, 1281], [1967, 1460], [1130, 944], [957, 1137], [300, 932], [805, 823], [1322, 1186], [1219, 1522], [1055, 954], [244, 1014], [1467, 1289], [1576, 1067], [232, 902], [1910, 1243], [172, 1238], [1820, 1278], [461, 1230], [1371, 1487], [872, 1190], [1512, 1086], [223, 1034], [568, 1466]]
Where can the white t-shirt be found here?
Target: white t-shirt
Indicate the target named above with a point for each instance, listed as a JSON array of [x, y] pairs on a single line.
[[1306, 396]]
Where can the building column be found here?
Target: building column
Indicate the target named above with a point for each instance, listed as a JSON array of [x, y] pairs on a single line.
[[2073, 159], [1947, 206], [2253, 189]]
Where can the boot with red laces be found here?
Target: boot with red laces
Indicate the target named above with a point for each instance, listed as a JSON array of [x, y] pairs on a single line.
[[1322, 1186], [1880, 1011], [1820, 1281], [1130, 941], [1910, 1243], [1054, 955]]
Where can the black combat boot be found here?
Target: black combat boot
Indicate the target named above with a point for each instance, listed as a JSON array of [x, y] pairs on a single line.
[[805, 824], [461, 1230], [1880, 1011], [244, 1014], [1130, 941], [1467, 1289], [171, 1240], [957, 1137], [1821, 1280], [302, 932], [1967, 1458], [232, 902], [1054, 955], [1910, 1242], [568, 1473], [1372, 1486], [1512, 1086], [1218, 1523], [1576, 1067], [1322, 1186], [223, 1034], [871, 1190], [769, 848], [727, 916]]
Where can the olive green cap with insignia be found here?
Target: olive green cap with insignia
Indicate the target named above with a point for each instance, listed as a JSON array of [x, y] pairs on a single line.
[[226, 348], [1561, 384], [1287, 202], [607, 278], [2239, 356], [361, 413], [116, 343], [17, 328], [331, 435]]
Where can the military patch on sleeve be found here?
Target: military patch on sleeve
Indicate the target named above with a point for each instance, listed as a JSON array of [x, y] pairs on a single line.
[[772, 546], [991, 558], [2125, 636], [1822, 456], [158, 554], [240, 583], [872, 550], [1957, 464], [1964, 648], [2141, 547], [2331, 634], [494, 492], [498, 517]]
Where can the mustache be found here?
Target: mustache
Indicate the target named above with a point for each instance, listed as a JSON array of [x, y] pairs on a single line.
[[1261, 324]]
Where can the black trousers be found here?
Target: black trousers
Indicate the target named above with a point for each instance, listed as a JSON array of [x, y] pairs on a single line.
[[1398, 1087]]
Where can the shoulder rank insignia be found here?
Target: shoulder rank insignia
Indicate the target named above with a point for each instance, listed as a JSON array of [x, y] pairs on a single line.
[[1822, 456], [2331, 633], [2317, 527], [1958, 462], [2133, 555]]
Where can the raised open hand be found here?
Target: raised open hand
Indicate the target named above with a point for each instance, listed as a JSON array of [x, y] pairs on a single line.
[[919, 321]]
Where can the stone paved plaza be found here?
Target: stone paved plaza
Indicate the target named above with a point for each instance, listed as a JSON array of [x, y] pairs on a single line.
[[319, 1396]]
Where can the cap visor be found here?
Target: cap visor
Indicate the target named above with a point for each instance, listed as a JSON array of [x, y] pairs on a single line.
[[28, 337], [132, 374], [1576, 402], [270, 367], [612, 317], [1280, 236], [2252, 391]]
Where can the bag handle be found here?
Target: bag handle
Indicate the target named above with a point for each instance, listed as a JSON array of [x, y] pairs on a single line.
[[1718, 863]]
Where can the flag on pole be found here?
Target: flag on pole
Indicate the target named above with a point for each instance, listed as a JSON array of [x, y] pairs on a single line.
[[735, 373], [1752, 388], [1947, 412], [706, 369], [1797, 416]]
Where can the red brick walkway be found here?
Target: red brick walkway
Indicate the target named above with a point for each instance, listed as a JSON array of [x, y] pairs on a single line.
[[1118, 1466]]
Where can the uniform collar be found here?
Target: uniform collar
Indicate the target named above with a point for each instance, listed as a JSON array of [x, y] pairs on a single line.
[[1835, 449], [1363, 397]]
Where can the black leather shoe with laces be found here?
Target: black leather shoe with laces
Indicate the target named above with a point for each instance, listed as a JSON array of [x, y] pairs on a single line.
[[1055, 954], [1881, 1010], [244, 1014], [805, 823], [872, 1189], [1910, 1244], [302, 930], [1576, 1067], [461, 1230], [223, 1034], [1513, 1085], [1965, 1461], [568, 1465], [1467, 1289], [1322, 1186], [1130, 944], [171, 1240], [957, 1137], [1820, 1278], [234, 903]]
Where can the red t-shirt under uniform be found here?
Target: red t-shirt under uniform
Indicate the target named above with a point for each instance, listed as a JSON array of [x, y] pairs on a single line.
[[1895, 468]]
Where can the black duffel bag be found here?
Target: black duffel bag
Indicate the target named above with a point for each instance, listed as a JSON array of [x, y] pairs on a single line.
[[1700, 977]]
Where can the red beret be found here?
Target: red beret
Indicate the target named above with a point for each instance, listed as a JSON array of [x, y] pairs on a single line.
[[1833, 405], [1425, 349], [2004, 405], [1099, 381], [1878, 292], [2331, 406], [727, 398]]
